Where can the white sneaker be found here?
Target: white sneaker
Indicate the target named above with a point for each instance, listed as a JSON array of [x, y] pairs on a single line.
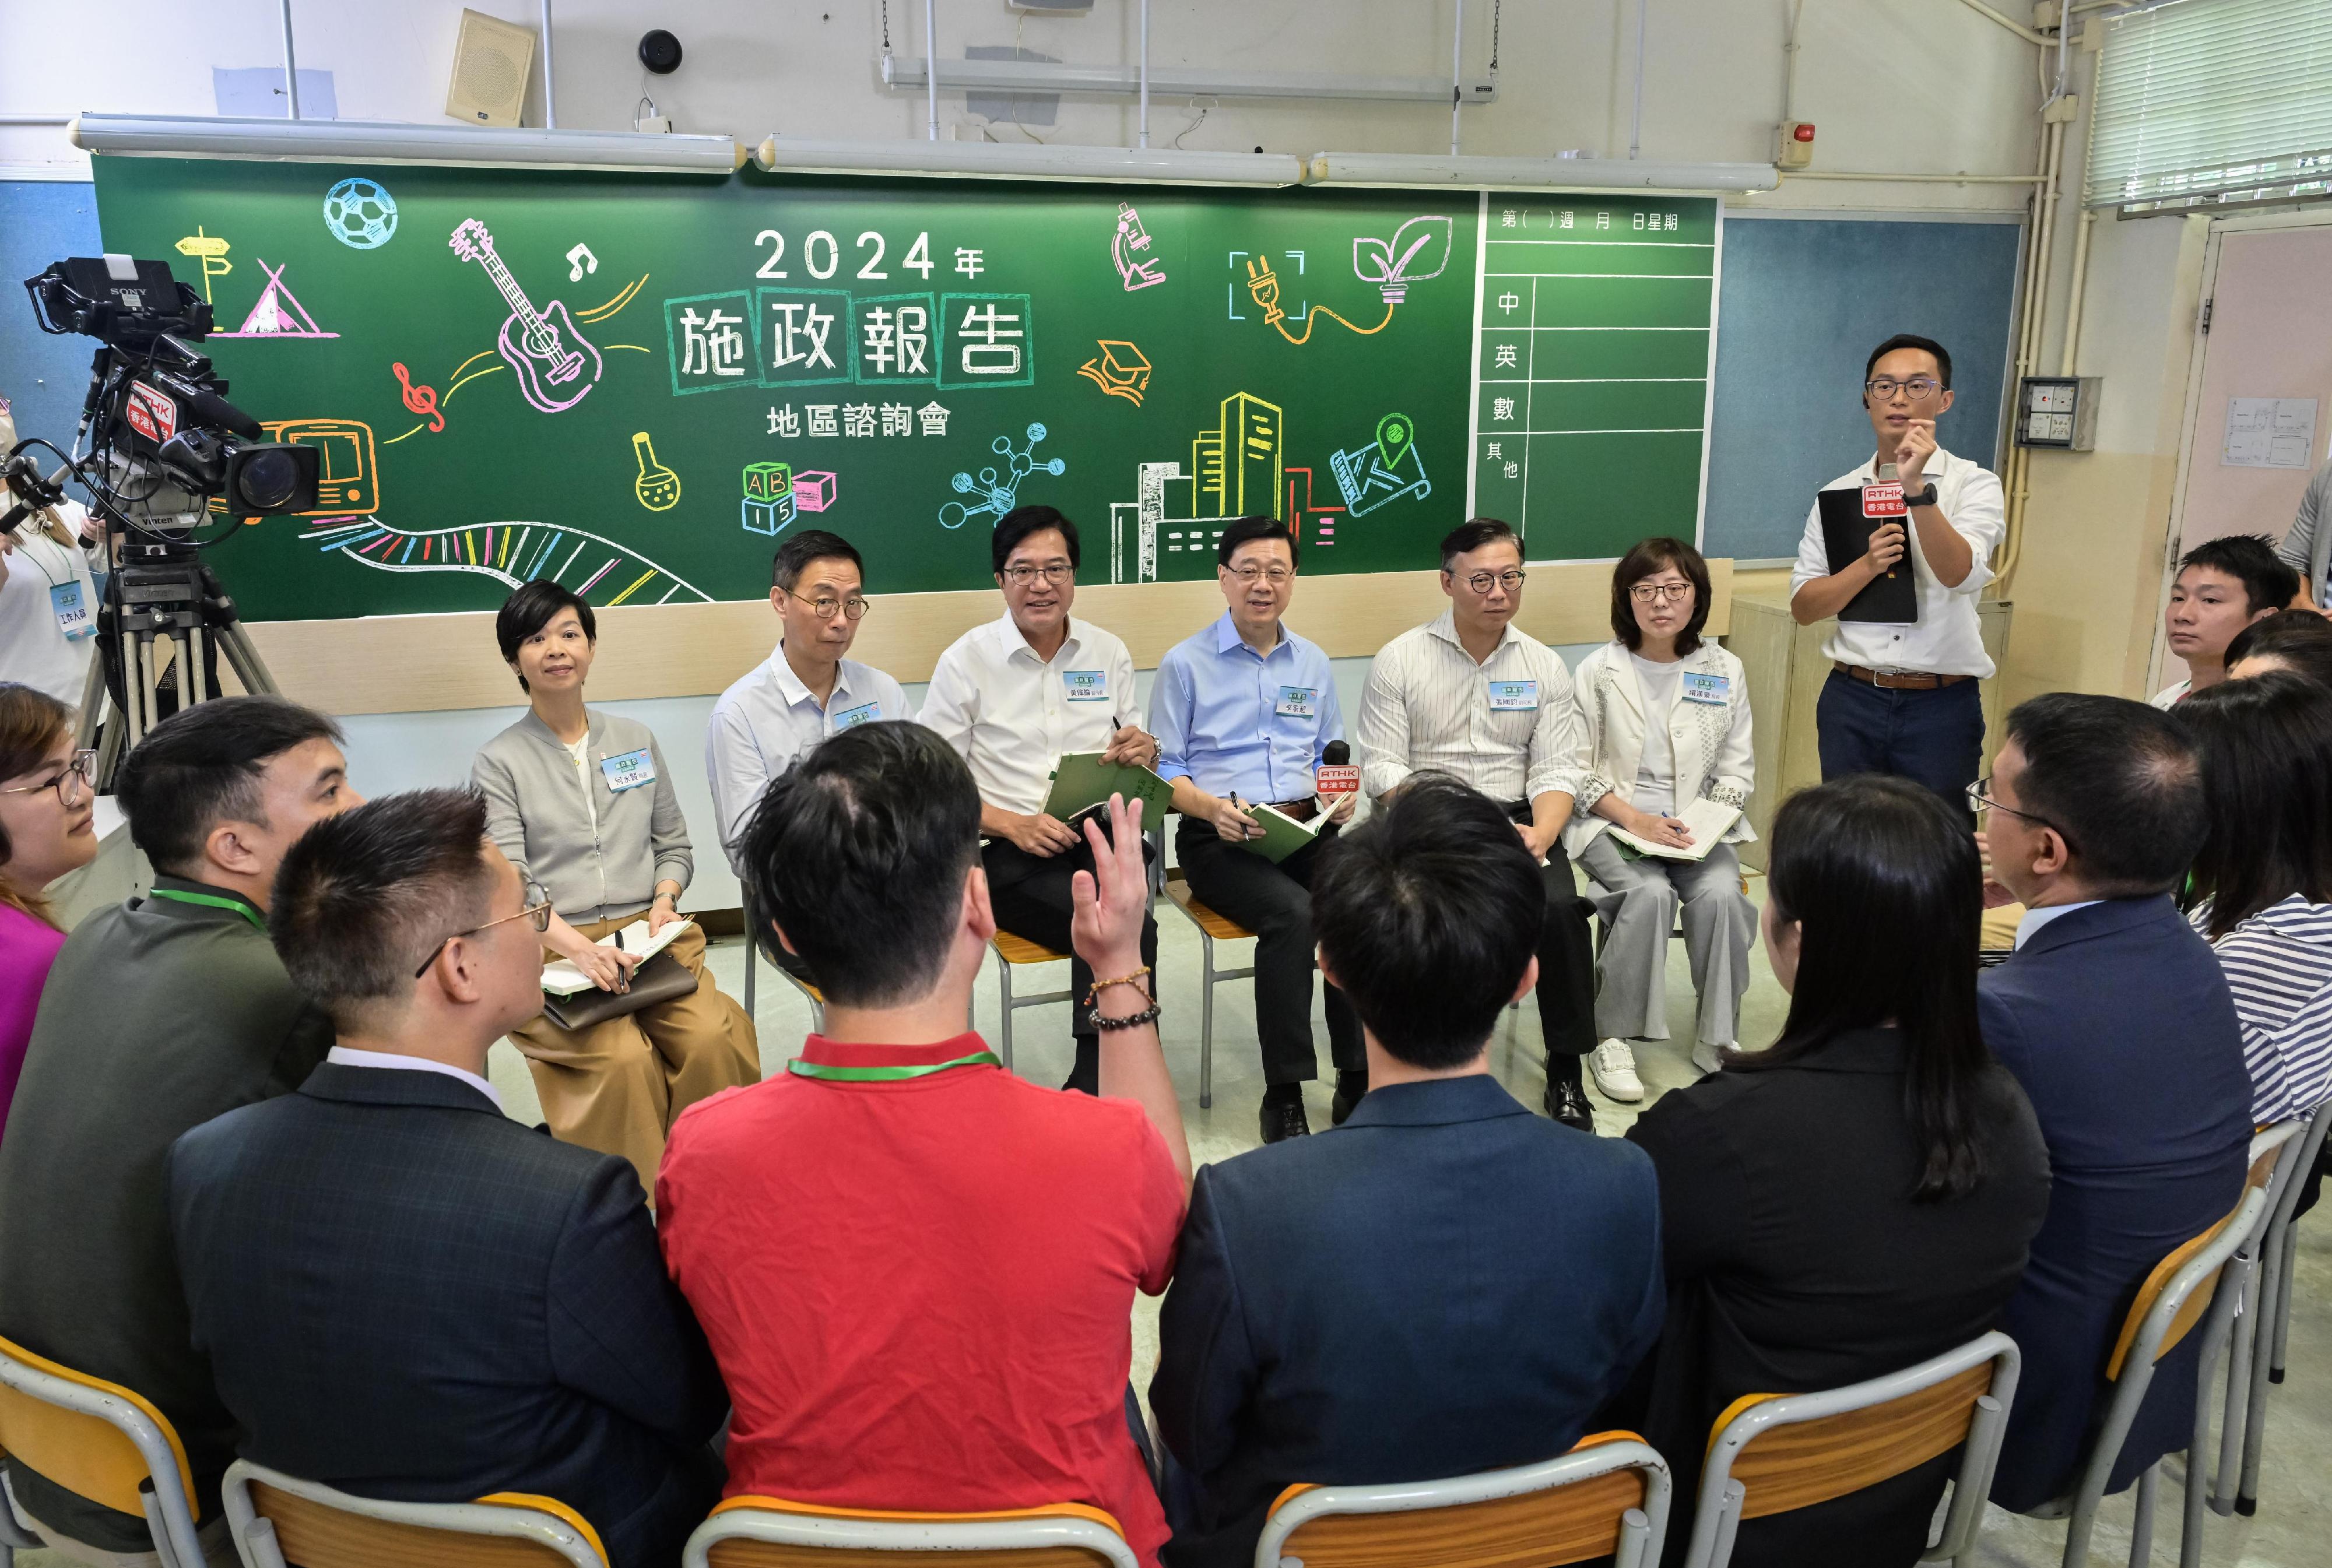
[[1614, 1066], [1709, 1058]]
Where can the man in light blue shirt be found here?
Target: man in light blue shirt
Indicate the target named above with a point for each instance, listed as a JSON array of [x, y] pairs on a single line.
[[1243, 712]]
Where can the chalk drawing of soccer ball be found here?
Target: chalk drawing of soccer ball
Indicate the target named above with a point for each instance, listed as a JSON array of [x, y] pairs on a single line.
[[360, 214]]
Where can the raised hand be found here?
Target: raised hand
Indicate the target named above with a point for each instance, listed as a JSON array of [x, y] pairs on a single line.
[[1109, 903]]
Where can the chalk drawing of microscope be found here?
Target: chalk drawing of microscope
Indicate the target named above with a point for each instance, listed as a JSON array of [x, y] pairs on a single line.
[[1135, 274], [999, 490]]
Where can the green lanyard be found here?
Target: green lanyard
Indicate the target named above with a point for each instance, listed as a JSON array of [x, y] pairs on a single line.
[[834, 1073], [215, 901]]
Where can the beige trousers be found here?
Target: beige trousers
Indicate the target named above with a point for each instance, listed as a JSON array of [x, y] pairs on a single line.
[[618, 1086]]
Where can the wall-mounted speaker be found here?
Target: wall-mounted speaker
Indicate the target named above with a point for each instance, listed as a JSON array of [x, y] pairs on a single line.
[[492, 61], [660, 51]]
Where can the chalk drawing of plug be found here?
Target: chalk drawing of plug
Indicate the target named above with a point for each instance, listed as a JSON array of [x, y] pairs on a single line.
[[1419, 250]]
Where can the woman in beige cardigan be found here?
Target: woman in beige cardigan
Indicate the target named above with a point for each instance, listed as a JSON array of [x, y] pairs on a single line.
[[1664, 722]]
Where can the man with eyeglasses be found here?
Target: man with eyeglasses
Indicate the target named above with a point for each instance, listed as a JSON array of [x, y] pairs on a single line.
[[804, 692], [1013, 697], [385, 1241], [1472, 696], [159, 1014], [1244, 712], [1904, 698]]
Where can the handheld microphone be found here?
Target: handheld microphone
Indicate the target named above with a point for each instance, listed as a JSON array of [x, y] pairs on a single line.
[[1336, 775]]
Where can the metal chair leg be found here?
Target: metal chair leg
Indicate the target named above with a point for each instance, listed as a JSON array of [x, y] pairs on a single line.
[[1205, 1019], [2241, 1345], [1004, 985], [2274, 1287], [2141, 1534], [2283, 1299], [2198, 1448]]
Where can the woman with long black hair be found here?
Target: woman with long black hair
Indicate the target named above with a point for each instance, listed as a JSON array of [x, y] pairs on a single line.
[[1860, 1196]]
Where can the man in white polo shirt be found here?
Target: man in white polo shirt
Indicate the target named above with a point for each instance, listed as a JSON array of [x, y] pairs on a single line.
[[1904, 698], [1013, 697]]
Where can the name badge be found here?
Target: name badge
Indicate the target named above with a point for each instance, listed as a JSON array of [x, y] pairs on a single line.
[[1514, 696], [1085, 685], [71, 608], [630, 770], [851, 718], [1297, 702], [1704, 688]]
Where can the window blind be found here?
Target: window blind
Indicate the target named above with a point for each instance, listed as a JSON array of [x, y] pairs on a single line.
[[2211, 101]]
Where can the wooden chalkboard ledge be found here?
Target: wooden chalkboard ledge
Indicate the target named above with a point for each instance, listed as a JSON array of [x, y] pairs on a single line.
[[419, 664]]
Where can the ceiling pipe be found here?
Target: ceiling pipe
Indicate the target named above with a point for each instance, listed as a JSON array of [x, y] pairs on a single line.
[[291, 63]]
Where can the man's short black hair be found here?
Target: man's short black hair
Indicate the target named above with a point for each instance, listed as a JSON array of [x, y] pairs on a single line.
[[1428, 914], [1913, 341], [1472, 535], [364, 898], [2120, 780], [2298, 638], [858, 851], [811, 544], [532, 608], [1245, 530], [201, 767], [2269, 581], [1023, 520]]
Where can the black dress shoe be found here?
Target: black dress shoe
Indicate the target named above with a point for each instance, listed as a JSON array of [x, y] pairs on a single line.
[[1566, 1102], [1283, 1119], [1349, 1089]]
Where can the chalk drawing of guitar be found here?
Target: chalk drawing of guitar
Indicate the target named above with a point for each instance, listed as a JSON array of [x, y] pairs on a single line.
[[556, 366]]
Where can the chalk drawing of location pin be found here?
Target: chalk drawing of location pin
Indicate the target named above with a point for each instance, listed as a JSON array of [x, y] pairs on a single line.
[[1394, 435]]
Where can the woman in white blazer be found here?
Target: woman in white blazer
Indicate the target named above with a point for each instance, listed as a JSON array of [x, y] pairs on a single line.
[[1664, 722]]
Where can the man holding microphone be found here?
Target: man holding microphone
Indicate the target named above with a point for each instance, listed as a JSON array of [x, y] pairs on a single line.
[[1903, 698]]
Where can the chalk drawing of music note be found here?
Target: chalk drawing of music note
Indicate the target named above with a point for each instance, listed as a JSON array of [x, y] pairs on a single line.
[[581, 260], [422, 400], [556, 365]]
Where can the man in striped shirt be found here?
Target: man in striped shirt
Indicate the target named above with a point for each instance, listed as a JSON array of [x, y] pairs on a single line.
[[1472, 696]]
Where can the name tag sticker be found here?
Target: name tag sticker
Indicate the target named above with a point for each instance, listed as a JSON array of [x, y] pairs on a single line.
[[1514, 696], [851, 718], [1705, 688], [1297, 702], [1086, 685], [630, 770], [1883, 501], [71, 608]]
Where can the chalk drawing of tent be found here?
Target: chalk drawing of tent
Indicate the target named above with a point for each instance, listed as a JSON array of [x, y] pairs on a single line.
[[278, 313]]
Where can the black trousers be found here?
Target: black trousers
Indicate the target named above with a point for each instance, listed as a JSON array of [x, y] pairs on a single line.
[[1566, 955], [1029, 895], [1274, 902]]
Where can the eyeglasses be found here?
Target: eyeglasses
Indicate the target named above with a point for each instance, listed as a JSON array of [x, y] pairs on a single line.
[[1918, 388], [538, 910], [1645, 593], [1058, 573], [1276, 576], [853, 608], [1979, 796], [1510, 579], [78, 774]]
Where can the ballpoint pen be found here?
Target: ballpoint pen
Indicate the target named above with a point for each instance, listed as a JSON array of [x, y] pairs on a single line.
[[623, 975]]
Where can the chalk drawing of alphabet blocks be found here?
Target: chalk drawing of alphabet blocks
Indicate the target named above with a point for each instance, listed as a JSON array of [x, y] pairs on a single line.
[[768, 516], [768, 481], [814, 490]]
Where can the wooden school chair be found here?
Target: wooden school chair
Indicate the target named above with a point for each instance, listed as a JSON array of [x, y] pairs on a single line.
[[1212, 928], [752, 1532], [1011, 952], [1773, 1453], [103, 1442], [1608, 1497], [279, 1520]]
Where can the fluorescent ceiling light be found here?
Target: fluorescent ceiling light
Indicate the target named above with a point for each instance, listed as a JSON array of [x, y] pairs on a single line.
[[371, 141], [1177, 82], [1013, 160], [1414, 170]]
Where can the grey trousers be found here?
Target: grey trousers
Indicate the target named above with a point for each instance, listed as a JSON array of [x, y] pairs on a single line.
[[1637, 900]]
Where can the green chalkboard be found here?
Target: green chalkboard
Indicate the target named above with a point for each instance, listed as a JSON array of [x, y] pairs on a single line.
[[637, 386]]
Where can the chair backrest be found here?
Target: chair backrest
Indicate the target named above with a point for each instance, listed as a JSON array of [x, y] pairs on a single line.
[[752, 1532], [279, 1519], [1608, 1497], [2195, 1287], [94, 1439]]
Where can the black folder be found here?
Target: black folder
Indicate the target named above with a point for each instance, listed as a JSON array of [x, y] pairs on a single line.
[[1890, 600]]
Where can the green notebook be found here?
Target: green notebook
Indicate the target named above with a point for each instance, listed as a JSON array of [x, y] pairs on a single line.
[[1082, 780], [1283, 835]]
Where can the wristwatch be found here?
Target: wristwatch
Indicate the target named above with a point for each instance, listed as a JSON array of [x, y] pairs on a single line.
[[1921, 498]]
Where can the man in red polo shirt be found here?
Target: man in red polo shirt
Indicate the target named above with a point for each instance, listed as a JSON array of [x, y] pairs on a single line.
[[915, 1269]]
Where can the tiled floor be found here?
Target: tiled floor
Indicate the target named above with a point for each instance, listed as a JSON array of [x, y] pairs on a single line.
[[2293, 1528]]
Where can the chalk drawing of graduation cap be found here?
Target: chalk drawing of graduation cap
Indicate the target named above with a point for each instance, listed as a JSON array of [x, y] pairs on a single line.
[[1419, 250]]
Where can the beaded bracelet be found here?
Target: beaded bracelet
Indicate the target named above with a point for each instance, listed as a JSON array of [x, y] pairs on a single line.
[[1092, 992], [1148, 1014]]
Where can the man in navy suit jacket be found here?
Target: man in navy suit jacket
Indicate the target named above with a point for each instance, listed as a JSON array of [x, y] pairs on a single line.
[[1446, 1283], [402, 1292], [2115, 1017]]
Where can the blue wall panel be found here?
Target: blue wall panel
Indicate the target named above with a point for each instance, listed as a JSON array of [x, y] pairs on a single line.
[[45, 378]]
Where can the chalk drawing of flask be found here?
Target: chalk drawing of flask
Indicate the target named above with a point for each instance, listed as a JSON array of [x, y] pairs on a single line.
[[657, 487]]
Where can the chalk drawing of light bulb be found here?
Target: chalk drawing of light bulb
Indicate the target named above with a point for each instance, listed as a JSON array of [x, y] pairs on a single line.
[[1419, 250], [998, 490]]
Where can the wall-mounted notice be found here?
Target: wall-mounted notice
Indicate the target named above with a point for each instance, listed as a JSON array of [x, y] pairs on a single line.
[[2268, 433]]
